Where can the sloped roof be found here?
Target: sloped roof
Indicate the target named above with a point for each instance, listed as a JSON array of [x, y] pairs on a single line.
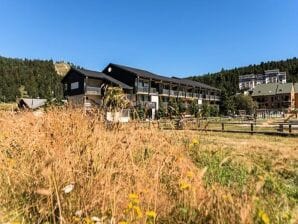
[[265, 89], [296, 87], [33, 103], [101, 75], [190, 82], [150, 75], [143, 73], [284, 88], [272, 89]]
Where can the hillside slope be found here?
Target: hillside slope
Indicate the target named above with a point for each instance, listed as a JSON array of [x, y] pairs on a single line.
[[32, 78], [228, 80], [62, 68]]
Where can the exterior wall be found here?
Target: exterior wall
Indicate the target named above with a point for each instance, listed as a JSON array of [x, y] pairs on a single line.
[[76, 100], [278, 101], [120, 74], [93, 82], [270, 76], [296, 100], [94, 100], [73, 77]]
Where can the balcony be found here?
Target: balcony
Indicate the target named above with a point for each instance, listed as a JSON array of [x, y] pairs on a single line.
[[195, 95], [92, 90], [143, 89], [165, 92], [153, 90], [189, 95], [173, 93], [181, 94], [206, 97]]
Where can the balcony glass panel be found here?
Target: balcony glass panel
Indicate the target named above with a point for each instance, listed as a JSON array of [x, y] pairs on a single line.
[[165, 91], [153, 90], [92, 90], [143, 89], [188, 94], [181, 93], [173, 93]]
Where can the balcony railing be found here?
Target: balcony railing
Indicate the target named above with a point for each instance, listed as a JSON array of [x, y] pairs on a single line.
[[173, 93], [153, 90], [165, 92], [195, 95], [92, 90], [188, 94], [181, 94], [143, 89]]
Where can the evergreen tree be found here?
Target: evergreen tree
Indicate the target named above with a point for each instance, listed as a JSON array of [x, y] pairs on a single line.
[[28, 78]]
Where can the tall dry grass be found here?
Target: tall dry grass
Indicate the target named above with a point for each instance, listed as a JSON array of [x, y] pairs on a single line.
[[67, 167]]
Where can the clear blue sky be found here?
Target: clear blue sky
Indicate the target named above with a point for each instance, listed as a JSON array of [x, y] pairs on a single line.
[[169, 37]]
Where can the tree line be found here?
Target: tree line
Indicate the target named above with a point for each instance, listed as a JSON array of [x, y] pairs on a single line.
[[38, 78], [28, 78]]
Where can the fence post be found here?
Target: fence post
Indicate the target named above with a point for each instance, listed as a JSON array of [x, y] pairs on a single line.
[[222, 127], [251, 128], [290, 128], [281, 127]]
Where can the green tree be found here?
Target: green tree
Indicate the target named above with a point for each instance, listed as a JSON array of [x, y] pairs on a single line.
[[194, 108], [245, 102], [205, 112], [181, 106], [227, 104], [173, 109]]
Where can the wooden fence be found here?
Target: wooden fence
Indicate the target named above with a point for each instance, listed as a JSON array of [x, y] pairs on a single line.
[[282, 129]]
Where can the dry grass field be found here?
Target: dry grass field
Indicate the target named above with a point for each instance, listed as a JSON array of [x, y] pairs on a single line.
[[66, 167]]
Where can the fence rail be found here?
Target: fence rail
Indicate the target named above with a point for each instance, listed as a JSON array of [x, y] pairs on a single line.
[[282, 129]]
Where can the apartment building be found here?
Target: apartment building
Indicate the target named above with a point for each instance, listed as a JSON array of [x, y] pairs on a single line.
[[275, 96], [296, 95], [249, 82], [143, 88]]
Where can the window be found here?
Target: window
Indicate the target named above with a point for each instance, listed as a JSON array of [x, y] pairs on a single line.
[[74, 85]]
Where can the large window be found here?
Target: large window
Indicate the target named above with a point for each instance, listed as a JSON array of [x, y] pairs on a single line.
[[74, 85]]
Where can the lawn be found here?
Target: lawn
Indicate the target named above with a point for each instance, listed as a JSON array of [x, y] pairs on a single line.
[[66, 167]]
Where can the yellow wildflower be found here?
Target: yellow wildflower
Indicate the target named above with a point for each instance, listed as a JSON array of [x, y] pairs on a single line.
[[76, 219], [151, 214], [133, 196], [190, 174], [184, 185], [264, 217], [195, 142], [88, 220], [138, 211], [130, 205], [122, 222]]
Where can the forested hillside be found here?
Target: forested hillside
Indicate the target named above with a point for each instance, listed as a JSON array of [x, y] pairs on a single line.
[[28, 78], [227, 80]]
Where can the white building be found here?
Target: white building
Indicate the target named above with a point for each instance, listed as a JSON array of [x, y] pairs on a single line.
[[249, 82]]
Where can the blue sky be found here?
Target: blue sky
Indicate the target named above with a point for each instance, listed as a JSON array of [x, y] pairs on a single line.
[[169, 37]]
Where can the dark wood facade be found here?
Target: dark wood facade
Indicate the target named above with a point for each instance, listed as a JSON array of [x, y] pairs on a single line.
[[143, 88]]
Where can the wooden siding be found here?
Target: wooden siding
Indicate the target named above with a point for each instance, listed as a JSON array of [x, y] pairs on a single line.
[[72, 77], [121, 75]]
